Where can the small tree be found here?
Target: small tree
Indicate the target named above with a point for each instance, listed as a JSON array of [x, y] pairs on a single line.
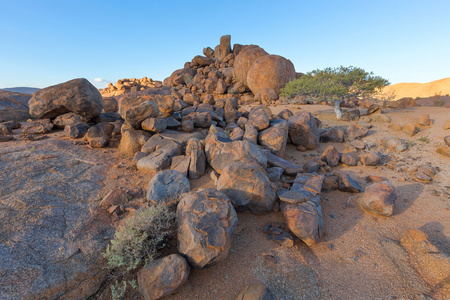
[[334, 84]]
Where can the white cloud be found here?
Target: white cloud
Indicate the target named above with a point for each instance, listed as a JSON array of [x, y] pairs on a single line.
[[102, 80], [101, 83]]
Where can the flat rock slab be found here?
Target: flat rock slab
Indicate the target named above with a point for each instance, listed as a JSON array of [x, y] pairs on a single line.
[[183, 137], [52, 230]]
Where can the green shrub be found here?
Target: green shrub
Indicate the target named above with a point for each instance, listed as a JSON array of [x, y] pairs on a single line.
[[138, 239]]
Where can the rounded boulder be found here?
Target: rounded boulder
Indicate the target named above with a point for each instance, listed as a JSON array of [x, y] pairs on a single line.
[[270, 72]]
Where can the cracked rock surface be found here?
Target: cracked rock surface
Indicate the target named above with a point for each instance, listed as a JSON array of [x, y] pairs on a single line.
[[52, 231]]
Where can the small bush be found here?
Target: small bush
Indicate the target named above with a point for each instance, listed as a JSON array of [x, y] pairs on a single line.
[[140, 237]]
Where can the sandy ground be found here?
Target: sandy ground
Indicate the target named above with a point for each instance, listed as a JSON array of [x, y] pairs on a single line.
[[360, 256]]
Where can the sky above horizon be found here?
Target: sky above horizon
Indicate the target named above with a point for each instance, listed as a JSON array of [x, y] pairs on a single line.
[[48, 42]]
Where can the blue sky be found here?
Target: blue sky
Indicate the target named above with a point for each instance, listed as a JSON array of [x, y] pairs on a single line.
[[47, 42]]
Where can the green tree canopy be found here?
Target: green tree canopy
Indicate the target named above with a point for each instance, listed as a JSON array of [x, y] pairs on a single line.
[[334, 83]]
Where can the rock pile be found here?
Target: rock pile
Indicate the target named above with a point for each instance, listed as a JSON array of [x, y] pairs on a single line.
[[123, 86]]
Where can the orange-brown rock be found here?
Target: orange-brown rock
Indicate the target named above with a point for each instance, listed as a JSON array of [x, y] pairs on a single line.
[[331, 156], [304, 219], [206, 223], [424, 120], [259, 119], [163, 276], [303, 130], [370, 159], [379, 198], [410, 129], [270, 72], [429, 262], [275, 137], [266, 96], [443, 150], [248, 187], [132, 140], [244, 61]]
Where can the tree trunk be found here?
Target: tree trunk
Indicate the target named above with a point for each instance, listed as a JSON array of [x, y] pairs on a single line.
[[337, 108]]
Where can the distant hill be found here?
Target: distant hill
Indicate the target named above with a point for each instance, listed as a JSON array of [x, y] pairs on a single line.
[[23, 90], [419, 90]]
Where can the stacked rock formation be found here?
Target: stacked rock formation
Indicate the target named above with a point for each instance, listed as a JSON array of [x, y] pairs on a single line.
[[130, 85]]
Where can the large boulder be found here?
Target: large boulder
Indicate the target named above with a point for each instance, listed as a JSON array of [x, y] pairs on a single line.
[[78, 96], [206, 223], [221, 152], [166, 187], [163, 276], [14, 106], [248, 187], [270, 72], [244, 61], [303, 130]]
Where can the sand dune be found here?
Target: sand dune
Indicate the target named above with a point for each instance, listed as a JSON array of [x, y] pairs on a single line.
[[422, 90]]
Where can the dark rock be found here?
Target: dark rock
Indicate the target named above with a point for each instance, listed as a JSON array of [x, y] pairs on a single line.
[[221, 152], [75, 131], [166, 187], [373, 108], [275, 137], [154, 125], [206, 223], [303, 130], [354, 132], [37, 126], [352, 115], [348, 184], [160, 159], [238, 180], [163, 276], [139, 112], [348, 159], [274, 173], [98, 136], [333, 134], [107, 117], [180, 163], [331, 156], [69, 118], [288, 167]]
